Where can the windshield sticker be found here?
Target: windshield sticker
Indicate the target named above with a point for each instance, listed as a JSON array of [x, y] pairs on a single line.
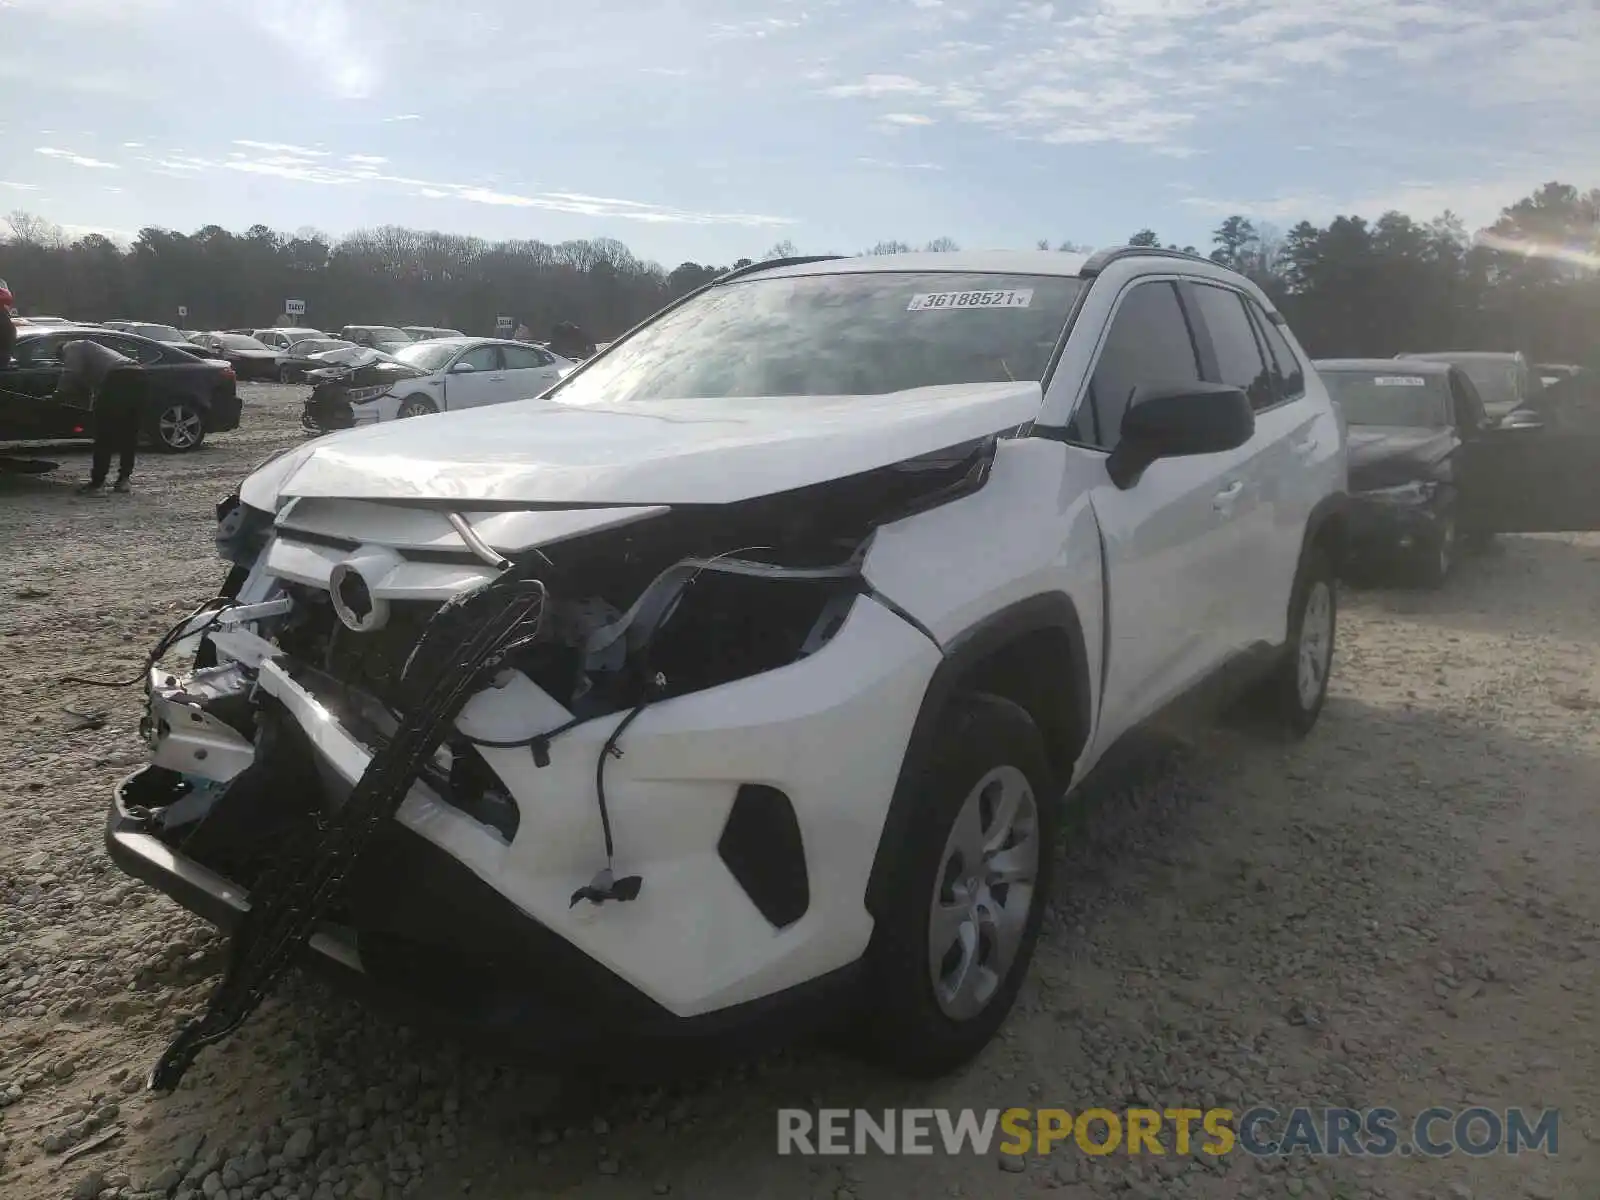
[[929, 301], [1400, 381]]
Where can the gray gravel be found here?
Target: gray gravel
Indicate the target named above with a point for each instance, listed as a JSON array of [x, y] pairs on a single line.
[[1402, 911]]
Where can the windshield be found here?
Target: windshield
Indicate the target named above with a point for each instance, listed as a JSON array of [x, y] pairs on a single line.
[[315, 345], [240, 341], [850, 334], [427, 356], [157, 333], [1380, 398], [1495, 378], [385, 333]]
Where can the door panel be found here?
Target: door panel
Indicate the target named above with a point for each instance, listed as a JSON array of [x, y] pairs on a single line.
[[29, 410], [1168, 538], [1232, 353], [484, 384], [529, 370], [1535, 478]]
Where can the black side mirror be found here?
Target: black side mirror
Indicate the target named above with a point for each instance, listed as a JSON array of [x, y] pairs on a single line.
[[1176, 422]]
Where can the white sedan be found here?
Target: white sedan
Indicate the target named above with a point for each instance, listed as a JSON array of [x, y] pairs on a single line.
[[445, 375]]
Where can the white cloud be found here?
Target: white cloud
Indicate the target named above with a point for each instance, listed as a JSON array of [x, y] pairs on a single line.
[[80, 160], [299, 165], [887, 165], [759, 27], [281, 148], [133, 145], [19, 187], [403, 117], [899, 118], [1143, 72], [874, 87]]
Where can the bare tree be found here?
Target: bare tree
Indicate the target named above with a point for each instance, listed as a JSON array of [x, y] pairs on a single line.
[[30, 230]]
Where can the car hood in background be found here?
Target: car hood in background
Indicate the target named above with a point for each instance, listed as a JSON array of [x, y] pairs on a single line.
[[712, 451]]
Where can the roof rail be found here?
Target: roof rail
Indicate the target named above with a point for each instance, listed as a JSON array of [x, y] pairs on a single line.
[[1101, 259], [797, 261]]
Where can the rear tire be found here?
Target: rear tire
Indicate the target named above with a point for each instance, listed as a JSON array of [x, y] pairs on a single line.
[[179, 428], [416, 406], [1293, 695], [966, 894]]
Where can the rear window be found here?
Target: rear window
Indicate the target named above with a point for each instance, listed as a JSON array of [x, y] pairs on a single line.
[[850, 334], [1399, 397]]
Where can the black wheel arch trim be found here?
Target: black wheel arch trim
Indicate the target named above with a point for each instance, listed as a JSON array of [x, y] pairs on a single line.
[[967, 650], [1326, 525]]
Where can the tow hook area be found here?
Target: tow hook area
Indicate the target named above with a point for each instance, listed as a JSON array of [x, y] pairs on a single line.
[[467, 637]]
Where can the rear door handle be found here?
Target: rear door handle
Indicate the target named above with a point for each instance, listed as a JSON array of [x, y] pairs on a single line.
[[1306, 448], [1223, 500]]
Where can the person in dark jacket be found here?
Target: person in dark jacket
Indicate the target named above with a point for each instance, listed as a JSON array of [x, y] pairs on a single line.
[[115, 388]]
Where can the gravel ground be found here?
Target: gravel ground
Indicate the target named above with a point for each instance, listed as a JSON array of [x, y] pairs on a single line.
[[1401, 911]]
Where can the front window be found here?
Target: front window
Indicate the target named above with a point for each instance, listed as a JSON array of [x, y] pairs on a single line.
[[1391, 398], [865, 333], [315, 345], [427, 356]]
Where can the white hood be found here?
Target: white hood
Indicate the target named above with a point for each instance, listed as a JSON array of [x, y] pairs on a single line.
[[671, 452]]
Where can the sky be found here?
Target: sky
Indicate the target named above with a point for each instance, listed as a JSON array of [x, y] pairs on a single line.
[[708, 130]]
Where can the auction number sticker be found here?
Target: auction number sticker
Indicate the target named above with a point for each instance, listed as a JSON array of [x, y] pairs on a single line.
[[928, 301], [1400, 381]]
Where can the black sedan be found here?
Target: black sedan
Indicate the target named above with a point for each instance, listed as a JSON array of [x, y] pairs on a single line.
[[189, 397], [1430, 469], [250, 358], [306, 355]]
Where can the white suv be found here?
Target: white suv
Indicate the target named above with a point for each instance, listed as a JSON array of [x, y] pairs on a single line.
[[749, 665]]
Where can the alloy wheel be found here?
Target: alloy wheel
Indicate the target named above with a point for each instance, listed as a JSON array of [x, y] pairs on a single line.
[[1316, 642], [180, 427], [983, 892]]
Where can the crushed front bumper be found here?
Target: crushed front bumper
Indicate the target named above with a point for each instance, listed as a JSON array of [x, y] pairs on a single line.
[[1384, 532], [440, 949], [447, 918]]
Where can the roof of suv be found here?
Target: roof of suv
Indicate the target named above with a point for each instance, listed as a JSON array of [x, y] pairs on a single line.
[[1417, 366], [1021, 262], [1464, 355]]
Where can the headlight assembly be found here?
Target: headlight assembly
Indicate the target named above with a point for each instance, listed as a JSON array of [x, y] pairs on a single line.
[[361, 395]]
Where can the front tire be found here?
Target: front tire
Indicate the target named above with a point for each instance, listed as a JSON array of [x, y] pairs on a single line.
[[966, 895], [1436, 560], [179, 428], [416, 406], [1293, 695]]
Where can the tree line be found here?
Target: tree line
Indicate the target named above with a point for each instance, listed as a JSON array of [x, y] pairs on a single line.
[[1355, 286]]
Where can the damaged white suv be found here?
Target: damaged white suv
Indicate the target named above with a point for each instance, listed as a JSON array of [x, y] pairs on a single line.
[[748, 666]]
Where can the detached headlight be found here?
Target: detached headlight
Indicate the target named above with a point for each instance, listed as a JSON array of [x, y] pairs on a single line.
[[1418, 491], [361, 395]]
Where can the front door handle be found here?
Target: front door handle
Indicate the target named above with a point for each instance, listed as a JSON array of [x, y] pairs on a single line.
[[1306, 448], [1223, 501]]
